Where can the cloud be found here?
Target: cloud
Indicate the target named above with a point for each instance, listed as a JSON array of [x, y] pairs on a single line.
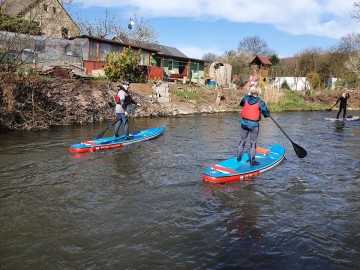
[[326, 18]]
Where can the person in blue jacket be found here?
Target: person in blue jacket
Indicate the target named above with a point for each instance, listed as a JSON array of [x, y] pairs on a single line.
[[253, 107]]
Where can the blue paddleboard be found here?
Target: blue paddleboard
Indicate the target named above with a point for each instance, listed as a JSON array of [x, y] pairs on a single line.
[[115, 142], [232, 170]]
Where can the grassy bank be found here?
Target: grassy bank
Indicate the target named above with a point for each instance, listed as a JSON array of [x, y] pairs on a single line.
[[276, 99], [288, 100]]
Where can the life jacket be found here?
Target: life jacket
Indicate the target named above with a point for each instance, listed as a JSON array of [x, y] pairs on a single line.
[[251, 111], [127, 100], [117, 98]]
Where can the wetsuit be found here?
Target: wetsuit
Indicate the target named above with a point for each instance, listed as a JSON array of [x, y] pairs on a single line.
[[343, 104]]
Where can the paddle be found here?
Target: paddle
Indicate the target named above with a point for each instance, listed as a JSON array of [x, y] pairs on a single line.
[[300, 152], [109, 126], [331, 107]]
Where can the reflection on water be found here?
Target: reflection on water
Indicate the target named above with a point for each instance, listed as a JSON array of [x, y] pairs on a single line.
[[339, 126], [145, 206]]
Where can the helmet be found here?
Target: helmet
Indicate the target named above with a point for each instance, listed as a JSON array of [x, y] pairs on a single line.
[[126, 81]]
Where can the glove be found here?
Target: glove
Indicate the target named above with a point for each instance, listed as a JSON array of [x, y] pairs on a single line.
[[139, 105], [126, 113]]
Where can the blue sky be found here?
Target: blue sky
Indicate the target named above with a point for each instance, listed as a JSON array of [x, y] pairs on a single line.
[[197, 27]]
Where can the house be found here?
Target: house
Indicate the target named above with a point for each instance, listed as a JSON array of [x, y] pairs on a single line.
[[177, 66], [91, 53], [96, 50], [50, 15], [158, 62]]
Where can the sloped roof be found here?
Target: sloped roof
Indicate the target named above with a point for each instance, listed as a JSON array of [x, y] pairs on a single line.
[[262, 59], [113, 41], [171, 51]]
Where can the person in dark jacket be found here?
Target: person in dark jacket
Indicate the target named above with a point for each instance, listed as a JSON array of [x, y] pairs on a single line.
[[253, 107], [343, 103]]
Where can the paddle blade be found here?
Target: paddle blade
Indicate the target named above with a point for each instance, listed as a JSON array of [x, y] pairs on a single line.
[[101, 134], [300, 152]]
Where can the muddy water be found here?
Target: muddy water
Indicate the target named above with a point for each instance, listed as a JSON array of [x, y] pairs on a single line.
[[145, 206]]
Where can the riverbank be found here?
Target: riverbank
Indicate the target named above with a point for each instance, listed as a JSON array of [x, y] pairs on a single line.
[[29, 103]]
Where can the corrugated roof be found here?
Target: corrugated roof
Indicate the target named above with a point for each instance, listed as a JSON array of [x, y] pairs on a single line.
[[113, 41], [171, 51]]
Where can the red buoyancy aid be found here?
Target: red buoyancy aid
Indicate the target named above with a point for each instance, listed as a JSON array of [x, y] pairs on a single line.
[[117, 98], [127, 100], [251, 111]]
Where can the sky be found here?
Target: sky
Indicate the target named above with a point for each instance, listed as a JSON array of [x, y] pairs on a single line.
[[197, 27]]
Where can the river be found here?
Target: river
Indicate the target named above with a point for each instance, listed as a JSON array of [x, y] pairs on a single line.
[[145, 206]]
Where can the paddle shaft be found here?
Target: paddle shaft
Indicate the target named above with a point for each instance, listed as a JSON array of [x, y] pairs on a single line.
[[300, 152], [103, 132], [332, 107], [281, 129]]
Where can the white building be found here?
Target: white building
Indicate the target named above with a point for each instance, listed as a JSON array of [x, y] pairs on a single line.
[[294, 83]]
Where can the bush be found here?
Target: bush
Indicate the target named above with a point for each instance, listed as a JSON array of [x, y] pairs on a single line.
[[125, 65]]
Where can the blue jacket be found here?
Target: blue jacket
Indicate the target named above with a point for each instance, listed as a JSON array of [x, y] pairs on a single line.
[[252, 100]]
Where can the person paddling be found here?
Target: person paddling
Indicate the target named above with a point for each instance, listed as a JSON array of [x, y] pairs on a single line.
[[122, 100], [343, 103], [253, 106]]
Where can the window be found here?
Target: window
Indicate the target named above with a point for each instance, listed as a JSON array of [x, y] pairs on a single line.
[[144, 58], [54, 10], [64, 32], [171, 64], [105, 49], [93, 51], [45, 6]]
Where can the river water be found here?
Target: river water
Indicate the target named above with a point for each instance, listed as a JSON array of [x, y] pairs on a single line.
[[145, 206]]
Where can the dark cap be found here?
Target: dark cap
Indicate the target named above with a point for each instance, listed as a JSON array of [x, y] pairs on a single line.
[[126, 82]]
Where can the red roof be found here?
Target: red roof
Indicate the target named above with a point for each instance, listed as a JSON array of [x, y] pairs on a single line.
[[263, 60]]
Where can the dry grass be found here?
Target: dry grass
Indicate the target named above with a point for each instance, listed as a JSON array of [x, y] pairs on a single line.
[[271, 94]]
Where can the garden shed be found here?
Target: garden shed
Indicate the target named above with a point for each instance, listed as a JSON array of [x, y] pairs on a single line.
[[260, 67], [220, 73]]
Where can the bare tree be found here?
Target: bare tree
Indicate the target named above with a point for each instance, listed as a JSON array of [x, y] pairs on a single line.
[[353, 64], [142, 33], [310, 60], [110, 27], [103, 27], [355, 13], [239, 63], [255, 46], [210, 57], [348, 43]]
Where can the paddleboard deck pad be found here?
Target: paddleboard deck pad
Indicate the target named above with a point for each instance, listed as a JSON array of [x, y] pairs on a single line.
[[232, 170], [115, 142], [353, 118]]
